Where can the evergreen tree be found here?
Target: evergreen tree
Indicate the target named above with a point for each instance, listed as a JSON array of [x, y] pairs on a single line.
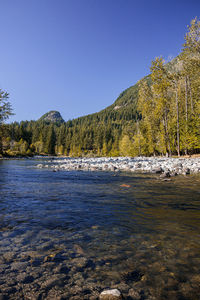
[[50, 141]]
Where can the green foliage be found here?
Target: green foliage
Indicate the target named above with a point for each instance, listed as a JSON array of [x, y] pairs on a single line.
[[170, 105], [5, 107], [126, 146], [50, 141], [5, 112]]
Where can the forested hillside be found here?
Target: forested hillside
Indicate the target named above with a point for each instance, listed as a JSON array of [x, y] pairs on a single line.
[[159, 115], [97, 134]]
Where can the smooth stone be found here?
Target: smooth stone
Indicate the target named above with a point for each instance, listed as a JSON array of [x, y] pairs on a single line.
[[158, 170], [134, 294], [165, 175], [113, 294], [39, 166], [174, 174]]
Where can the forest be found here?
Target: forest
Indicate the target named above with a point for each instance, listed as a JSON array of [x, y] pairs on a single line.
[[159, 115]]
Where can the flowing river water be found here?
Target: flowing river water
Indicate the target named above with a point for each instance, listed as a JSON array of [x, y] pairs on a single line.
[[72, 234]]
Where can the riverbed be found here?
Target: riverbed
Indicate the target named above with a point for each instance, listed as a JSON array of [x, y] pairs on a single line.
[[73, 233]]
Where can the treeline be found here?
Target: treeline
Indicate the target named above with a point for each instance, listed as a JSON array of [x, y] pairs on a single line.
[[78, 138], [98, 134], [160, 115]]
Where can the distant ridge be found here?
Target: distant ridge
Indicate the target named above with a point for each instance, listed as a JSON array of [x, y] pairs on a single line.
[[52, 116]]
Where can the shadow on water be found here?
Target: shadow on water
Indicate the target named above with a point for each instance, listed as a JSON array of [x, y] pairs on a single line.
[[68, 235]]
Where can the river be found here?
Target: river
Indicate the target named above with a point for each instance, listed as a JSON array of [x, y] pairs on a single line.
[[72, 234]]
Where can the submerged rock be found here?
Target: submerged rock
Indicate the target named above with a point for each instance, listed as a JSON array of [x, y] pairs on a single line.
[[165, 175], [187, 171], [132, 276], [113, 294], [134, 294], [40, 166]]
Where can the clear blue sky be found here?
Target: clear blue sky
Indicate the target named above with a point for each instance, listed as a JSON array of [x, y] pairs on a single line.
[[77, 56]]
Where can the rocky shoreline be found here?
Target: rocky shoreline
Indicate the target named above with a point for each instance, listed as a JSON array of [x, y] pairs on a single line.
[[166, 167]]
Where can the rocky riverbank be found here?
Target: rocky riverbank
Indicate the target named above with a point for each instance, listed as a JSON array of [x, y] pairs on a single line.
[[166, 167]]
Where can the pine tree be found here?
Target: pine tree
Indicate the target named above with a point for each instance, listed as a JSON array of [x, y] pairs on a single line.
[[50, 141]]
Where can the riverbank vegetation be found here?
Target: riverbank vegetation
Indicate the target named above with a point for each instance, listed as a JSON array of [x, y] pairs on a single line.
[[5, 112], [157, 116]]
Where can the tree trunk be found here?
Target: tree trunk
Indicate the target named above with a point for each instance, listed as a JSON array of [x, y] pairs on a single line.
[[186, 100], [167, 134], [177, 118], [191, 100], [186, 109], [138, 133]]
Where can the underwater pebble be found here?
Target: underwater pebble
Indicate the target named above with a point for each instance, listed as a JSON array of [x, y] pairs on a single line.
[[113, 294]]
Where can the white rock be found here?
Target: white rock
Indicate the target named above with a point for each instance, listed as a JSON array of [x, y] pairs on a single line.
[[113, 294], [141, 164], [39, 166]]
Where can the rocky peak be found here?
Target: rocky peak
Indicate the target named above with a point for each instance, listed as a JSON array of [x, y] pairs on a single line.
[[52, 116]]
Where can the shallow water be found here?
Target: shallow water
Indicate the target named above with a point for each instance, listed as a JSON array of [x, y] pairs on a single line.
[[69, 235]]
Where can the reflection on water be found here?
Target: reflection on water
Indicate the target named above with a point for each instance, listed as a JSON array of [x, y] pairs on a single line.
[[68, 235]]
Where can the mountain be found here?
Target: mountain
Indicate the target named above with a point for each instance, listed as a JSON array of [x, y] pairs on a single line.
[[109, 132], [119, 114], [52, 116], [125, 106], [98, 133], [123, 109]]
